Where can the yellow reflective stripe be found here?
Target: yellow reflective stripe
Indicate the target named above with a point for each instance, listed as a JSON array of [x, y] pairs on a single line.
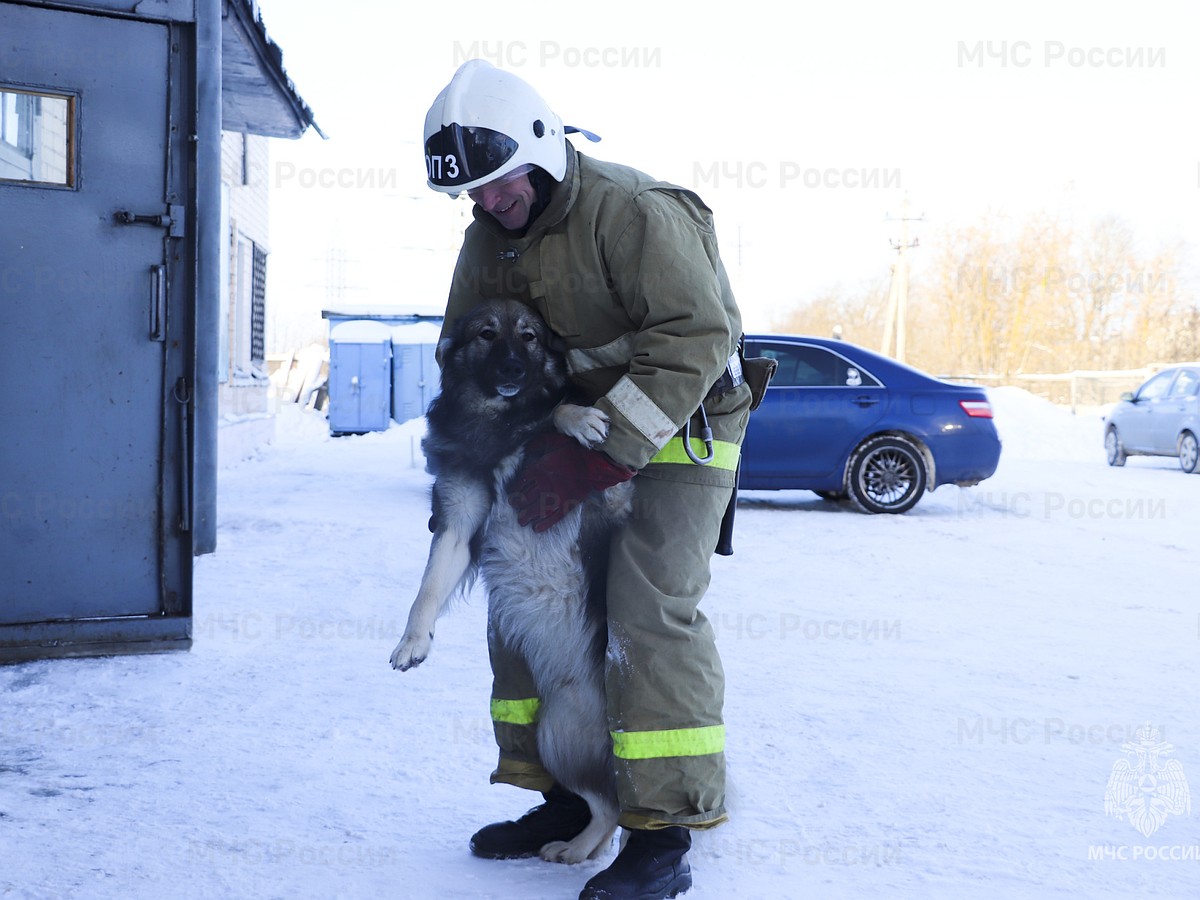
[[516, 712], [725, 453], [673, 742]]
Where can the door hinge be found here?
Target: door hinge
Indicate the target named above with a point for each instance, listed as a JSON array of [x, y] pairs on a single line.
[[183, 396]]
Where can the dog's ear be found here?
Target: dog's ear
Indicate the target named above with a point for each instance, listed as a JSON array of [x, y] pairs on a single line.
[[555, 343]]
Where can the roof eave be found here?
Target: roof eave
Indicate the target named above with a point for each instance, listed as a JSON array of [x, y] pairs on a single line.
[[257, 96]]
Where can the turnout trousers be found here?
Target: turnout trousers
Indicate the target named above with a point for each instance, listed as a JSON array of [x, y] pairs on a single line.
[[663, 677]]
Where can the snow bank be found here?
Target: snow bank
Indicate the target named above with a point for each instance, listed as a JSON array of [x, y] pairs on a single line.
[[920, 706], [1034, 428]]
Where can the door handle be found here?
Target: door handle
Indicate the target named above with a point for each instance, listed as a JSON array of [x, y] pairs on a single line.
[[866, 401], [125, 217], [158, 303], [172, 220]]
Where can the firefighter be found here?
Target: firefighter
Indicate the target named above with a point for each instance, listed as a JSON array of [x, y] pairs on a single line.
[[625, 269]]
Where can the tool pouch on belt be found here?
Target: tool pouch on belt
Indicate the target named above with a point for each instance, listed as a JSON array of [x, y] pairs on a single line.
[[758, 371]]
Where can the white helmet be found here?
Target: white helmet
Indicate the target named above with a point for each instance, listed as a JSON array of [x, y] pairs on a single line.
[[484, 124]]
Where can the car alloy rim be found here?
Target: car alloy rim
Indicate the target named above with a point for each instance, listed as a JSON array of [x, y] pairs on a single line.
[[1187, 452], [1110, 444], [888, 476]]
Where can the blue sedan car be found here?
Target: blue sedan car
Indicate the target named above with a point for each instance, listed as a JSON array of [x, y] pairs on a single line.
[[845, 422]]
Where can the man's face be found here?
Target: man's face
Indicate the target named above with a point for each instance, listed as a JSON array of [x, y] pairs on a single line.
[[509, 200]]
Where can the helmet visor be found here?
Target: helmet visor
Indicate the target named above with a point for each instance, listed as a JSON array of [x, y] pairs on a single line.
[[476, 193], [457, 155]]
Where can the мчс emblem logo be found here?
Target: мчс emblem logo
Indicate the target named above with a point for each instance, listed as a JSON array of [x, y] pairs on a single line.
[[1145, 788]]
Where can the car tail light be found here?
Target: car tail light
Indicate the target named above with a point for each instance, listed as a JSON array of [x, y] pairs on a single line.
[[976, 409]]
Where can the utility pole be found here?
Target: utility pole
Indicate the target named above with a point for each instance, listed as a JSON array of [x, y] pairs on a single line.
[[894, 327], [335, 275]]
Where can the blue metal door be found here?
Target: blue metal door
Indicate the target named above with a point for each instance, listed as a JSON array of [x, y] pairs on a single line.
[[415, 377], [407, 382], [93, 363], [360, 377]]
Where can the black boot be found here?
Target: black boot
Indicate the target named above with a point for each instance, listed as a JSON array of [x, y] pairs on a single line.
[[560, 818], [652, 866]]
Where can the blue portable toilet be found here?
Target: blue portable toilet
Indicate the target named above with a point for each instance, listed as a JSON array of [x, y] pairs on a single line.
[[360, 377], [415, 374]]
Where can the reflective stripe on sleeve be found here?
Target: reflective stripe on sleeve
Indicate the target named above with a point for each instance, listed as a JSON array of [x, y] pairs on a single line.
[[725, 453], [673, 742], [516, 712], [643, 413]]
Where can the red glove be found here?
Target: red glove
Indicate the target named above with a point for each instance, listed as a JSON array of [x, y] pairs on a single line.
[[557, 474]]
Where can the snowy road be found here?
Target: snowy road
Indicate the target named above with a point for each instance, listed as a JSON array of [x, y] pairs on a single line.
[[921, 706]]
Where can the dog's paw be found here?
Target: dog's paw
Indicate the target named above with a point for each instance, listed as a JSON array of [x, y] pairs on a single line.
[[586, 424], [411, 651], [563, 852]]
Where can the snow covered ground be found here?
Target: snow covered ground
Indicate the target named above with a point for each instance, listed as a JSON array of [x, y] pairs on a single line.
[[925, 706]]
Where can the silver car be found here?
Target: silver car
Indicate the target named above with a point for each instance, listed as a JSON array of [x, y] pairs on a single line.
[[1162, 418]]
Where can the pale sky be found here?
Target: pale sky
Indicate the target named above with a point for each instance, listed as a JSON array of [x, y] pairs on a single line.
[[803, 127]]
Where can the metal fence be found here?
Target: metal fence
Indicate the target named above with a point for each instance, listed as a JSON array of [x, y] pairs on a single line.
[[1082, 389]]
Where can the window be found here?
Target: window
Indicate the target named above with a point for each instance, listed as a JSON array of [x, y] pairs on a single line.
[[1186, 384], [1156, 387], [806, 365], [248, 326], [36, 137], [258, 308]]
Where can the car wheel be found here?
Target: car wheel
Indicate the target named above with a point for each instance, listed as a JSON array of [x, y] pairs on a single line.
[[1189, 453], [1113, 449], [887, 475]]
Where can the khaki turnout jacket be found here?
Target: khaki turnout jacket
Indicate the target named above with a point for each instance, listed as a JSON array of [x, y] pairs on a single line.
[[625, 270]]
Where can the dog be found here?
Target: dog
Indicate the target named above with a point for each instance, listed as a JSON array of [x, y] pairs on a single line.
[[504, 381]]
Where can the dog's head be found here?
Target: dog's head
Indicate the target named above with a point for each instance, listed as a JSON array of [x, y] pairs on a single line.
[[503, 351]]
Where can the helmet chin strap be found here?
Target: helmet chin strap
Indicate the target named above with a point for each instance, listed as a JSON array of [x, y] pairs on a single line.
[[543, 185]]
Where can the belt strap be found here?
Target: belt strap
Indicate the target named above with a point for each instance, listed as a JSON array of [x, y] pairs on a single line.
[[730, 378]]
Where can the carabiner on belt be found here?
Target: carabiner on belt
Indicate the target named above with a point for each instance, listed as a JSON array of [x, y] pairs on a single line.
[[706, 435]]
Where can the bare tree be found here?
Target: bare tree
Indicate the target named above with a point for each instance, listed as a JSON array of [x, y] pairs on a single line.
[[1000, 297]]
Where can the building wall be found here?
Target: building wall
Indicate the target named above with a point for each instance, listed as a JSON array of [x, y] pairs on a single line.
[[245, 390], [244, 167]]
